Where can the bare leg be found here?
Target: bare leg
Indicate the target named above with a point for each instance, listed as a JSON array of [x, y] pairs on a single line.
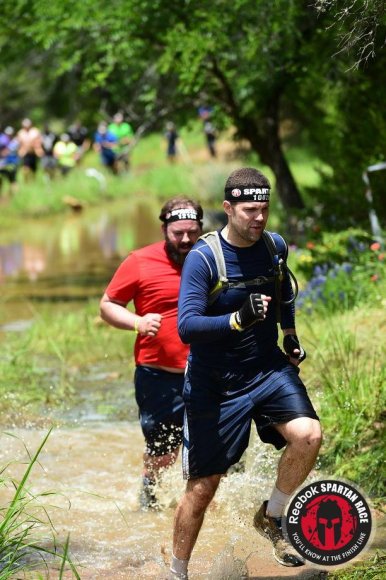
[[154, 464], [303, 436], [190, 513]]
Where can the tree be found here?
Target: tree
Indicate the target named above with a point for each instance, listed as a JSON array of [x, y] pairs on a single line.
[[170, 54], [360, 25], [258, 62]]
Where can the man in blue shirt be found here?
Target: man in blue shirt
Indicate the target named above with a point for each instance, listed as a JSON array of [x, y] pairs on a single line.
[[236, 371], [9, 159], [105, 143]]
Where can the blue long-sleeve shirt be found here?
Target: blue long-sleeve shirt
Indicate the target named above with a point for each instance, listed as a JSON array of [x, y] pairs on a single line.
[[206, 327]]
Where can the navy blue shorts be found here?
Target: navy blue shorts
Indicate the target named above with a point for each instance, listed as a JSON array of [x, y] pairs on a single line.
[[220, 408], [161, 408]]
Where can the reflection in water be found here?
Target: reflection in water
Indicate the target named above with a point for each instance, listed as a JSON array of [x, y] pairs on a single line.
[[34, 262], [107, 233], [50, 258], [11, 260], [19, 258], [72, 258]]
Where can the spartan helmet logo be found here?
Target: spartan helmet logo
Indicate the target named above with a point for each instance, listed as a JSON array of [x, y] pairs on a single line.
[[329, 523]]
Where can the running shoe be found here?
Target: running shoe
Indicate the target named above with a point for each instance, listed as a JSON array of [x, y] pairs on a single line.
[[271, 528]]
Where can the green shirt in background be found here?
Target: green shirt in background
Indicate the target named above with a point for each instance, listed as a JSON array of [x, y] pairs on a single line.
[[123, 132], [65, 153]]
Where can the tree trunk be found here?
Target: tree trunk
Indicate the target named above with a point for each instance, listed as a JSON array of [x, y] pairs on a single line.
[[262, 132], [265, 140], [271, 153]]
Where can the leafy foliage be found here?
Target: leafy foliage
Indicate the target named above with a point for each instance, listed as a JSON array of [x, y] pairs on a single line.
[[343, 269], [258, 70]]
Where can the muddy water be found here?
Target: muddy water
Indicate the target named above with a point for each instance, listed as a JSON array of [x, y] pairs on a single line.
[[94, 471], [93, 463], [68, 259]]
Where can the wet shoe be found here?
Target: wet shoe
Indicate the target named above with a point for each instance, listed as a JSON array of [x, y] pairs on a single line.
[[271, 528], [147, 497]]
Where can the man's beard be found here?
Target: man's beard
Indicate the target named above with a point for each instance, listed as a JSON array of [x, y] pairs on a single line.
[[175, 254], [247, 235]]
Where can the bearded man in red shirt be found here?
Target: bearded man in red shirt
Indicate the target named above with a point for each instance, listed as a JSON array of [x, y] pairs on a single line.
[[150, 278]]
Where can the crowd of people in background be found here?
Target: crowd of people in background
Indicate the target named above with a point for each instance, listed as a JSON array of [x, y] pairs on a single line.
[[30, 147], [27, 148]]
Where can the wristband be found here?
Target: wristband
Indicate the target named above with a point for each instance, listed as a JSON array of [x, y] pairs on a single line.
[[234, 323]]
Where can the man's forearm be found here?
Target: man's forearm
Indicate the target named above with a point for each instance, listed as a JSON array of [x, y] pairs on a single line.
[[118, 316]]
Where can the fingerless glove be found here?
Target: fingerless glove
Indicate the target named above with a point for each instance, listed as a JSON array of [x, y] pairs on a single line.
[[291, 343], [251, 311]]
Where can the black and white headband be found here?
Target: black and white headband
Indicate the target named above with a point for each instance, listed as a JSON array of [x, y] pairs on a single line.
[[181, 213], [250, 193]]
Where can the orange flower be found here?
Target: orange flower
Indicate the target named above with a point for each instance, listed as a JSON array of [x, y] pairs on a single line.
[[374, 277], [375, 246], [381, 256], [310, 245]]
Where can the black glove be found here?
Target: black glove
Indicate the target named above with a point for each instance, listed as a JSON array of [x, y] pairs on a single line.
[[291, 343], [252, 311]]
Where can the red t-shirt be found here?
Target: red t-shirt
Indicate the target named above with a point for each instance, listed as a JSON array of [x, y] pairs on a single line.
[[151, 280]]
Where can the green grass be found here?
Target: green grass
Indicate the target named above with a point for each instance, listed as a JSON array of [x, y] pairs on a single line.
[[40, 367], [373, 568], [347, 376], [24, 524]]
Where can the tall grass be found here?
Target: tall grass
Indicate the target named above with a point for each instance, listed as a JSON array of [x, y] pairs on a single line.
[[41, 366], [22, 523], [348, 373]]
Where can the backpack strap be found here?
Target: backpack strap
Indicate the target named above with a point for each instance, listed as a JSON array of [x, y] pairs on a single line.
[[213, 241], [279, 269], [223, 283]]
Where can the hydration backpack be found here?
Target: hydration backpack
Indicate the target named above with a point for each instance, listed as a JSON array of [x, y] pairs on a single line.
[[280, 268]]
